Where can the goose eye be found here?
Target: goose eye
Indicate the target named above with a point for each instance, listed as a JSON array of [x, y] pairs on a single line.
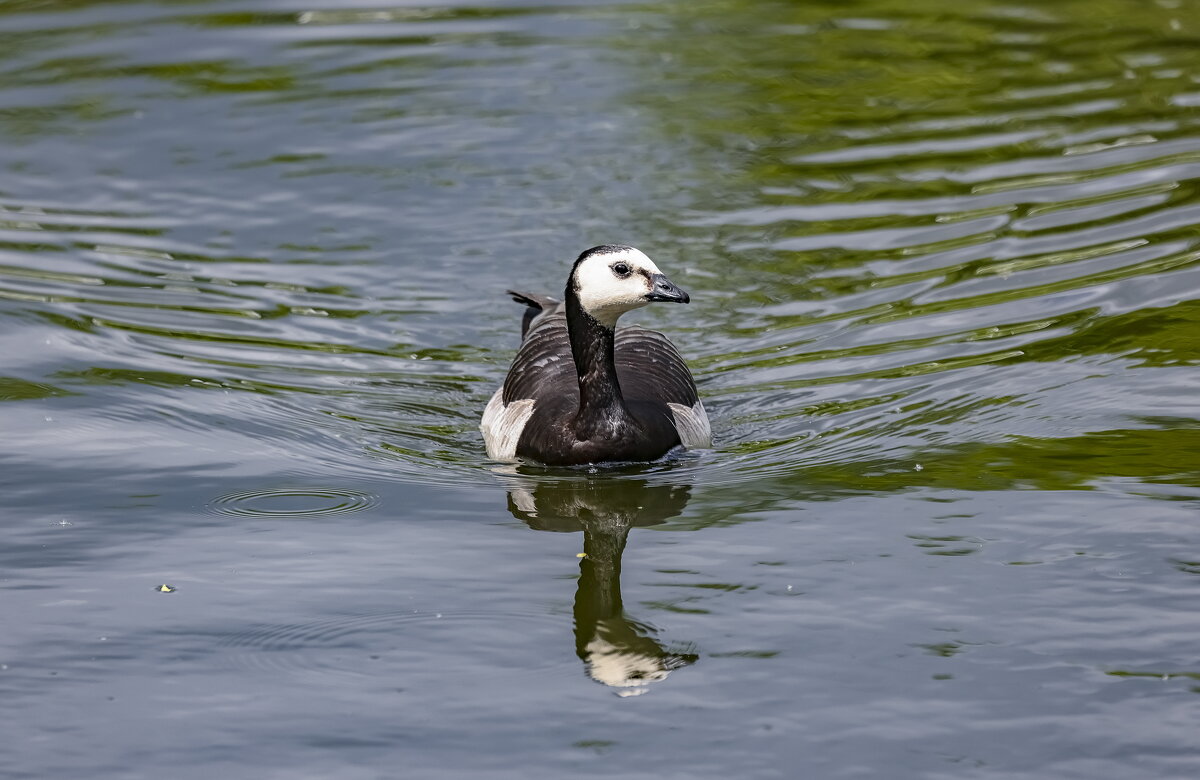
[[621, 269]]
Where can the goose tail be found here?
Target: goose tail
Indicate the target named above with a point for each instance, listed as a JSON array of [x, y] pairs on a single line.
[[535, 305]]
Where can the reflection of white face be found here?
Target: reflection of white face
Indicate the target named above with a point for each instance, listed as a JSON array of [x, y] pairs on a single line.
[[619, 667], [613, 283]]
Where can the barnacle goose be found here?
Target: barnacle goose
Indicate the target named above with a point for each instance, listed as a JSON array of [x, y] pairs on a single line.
[[580, 391]]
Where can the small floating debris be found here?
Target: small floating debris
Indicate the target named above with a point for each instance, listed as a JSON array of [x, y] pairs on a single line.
[[165, 588], [918, 467]]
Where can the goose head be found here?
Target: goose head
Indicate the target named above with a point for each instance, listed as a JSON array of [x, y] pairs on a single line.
[[610, 280]]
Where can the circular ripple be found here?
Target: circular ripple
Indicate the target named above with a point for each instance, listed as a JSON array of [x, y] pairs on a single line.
[[396, 643], [293, 502]]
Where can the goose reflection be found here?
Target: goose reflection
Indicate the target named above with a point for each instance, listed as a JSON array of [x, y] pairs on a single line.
[[616, 650]]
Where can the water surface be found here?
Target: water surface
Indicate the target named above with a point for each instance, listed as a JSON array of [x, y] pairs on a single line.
[[945, 274]]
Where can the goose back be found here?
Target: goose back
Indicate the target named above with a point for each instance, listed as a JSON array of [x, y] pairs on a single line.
[[542, 387]]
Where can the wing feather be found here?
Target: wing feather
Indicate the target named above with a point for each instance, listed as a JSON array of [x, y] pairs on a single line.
[[543, 366], [650, 368]]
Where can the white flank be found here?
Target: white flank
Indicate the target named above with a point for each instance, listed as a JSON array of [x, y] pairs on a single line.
[[502, 425], [692, 424]]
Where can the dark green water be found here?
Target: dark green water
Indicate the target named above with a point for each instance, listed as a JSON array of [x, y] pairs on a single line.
[[945, 270]]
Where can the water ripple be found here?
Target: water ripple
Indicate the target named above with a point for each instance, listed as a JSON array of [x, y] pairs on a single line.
[[293, 502], [382, 644], [890, 254]]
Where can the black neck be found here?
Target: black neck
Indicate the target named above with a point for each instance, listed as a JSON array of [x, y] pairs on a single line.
[[598, 597], [600, 402]]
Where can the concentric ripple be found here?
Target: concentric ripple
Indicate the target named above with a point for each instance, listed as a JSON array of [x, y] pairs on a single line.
[[383, 643], [293, 502]]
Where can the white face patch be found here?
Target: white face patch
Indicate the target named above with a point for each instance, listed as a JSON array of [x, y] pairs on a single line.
[[606, 295]]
